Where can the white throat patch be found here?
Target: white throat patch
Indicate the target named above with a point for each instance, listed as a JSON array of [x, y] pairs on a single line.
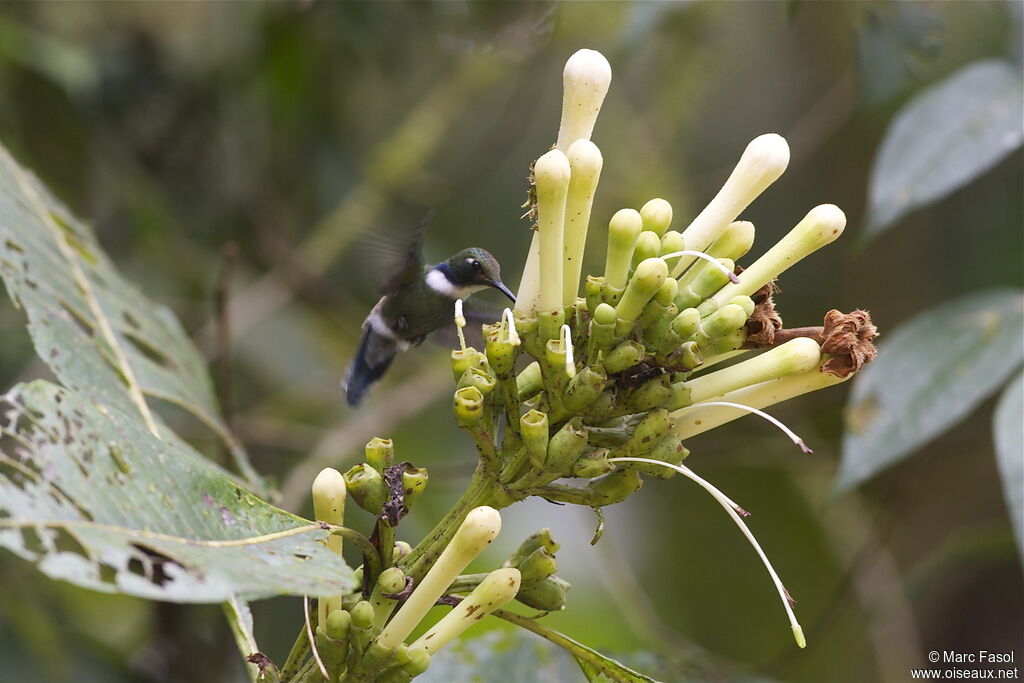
[[438, 282]]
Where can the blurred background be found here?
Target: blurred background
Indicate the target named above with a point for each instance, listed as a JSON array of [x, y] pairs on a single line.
[[249, 156]]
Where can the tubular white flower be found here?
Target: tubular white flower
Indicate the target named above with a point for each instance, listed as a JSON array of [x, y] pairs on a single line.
[[694, 419], [585, 82], [762, 163], [795, 356], [585, 163], [822, 225], [497, 589], [479, 528], [551, 173], [329, 493]]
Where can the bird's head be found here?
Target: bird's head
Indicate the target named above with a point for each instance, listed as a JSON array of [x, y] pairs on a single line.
[[473, 269]]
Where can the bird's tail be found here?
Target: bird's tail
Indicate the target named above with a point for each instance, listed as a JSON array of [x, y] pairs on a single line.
[[372, 359]]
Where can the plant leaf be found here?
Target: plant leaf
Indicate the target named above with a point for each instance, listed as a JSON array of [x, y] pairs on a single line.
[[99, 335], [943, 138], [1008, 431], [931, 372], [92, 497]]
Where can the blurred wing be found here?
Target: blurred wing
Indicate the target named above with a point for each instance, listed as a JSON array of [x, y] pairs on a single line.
[[477, 312], [409, 265]]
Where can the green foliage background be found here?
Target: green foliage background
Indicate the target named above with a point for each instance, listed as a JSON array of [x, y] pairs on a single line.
[[296, 129]]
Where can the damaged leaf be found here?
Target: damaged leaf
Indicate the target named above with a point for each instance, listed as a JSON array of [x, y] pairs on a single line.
[[100, 336], [90, 496]]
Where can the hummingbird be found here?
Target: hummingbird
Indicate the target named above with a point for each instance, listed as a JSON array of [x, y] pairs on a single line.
[[416, 301]]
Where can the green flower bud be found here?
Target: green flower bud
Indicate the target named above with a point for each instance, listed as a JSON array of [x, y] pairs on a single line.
[[584, 389], [380, 453], [648, 245], [725, 320], [614, 487], [658, 331], [549, 595], [671, 242], [361, 631], [401, 550], [686, 323], [367, 488], [723, 345], [734, 242], [602, 331], [337, 625], [482, 380], [686, 357], [680, 396], [648, 395], [592, 464], [501, 356], [651, 428], [624, 356], [645, 283], [390, 581], [623, 231], [526, 325], [498, 588], [419, 661], [535, 541], [533, 426], [657, 216], [376, 657], [744, 302], [667, 293], [414, 483], [794, 357], [475, 533], [701, 281], [538, 566], [669, 450], [530, 381], [469, 406], [592, 287], [565, 446], [611, 294], [464, 359], [550, 324], [555, 355], [333, 653], [604, 405]]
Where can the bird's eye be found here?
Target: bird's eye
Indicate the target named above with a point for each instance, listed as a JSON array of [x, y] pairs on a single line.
[[476, 265]]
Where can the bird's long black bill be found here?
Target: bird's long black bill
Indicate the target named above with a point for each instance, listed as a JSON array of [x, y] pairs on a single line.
[[500, 286]]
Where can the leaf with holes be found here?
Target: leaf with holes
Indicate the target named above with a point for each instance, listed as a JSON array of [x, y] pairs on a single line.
[[90, 496], [944, 138], [1008, 431], [101, 337], [930, 373]]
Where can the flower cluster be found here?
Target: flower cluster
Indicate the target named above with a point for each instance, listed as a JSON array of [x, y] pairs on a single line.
[[578, 398]]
